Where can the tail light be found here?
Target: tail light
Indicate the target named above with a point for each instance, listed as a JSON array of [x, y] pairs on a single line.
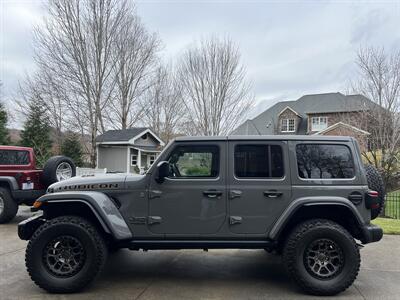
[[373, 193], [372, 200]]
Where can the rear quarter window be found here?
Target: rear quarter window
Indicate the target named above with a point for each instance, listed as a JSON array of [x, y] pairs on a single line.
[[14, 157], [324, 161]]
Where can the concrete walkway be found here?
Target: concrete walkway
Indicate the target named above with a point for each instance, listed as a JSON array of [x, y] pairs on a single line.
[[194, 274]]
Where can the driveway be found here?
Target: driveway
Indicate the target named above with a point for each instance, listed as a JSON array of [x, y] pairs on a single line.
[[194, 274]]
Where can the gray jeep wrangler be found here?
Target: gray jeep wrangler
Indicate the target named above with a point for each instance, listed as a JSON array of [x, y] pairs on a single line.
[[308, 198]]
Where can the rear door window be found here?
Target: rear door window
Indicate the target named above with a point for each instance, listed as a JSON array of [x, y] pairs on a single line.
[[258, 161], [14, 157], [319, 161]]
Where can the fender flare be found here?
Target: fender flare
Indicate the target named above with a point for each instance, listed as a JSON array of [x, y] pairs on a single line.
[[11, 181], [311, 201], [100, 204]]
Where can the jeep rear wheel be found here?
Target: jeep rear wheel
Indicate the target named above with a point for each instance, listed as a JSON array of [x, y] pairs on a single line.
[[8, 207], [65, 254], [321, 257]]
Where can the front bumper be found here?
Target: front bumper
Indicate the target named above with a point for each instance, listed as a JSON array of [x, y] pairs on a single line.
[[27, 227], [371, 233]]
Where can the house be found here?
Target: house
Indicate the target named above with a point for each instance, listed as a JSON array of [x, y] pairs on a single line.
[[131, 150], [320, 114]]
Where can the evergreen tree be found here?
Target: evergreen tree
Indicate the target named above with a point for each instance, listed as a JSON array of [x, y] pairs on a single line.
[[4, 137], [36, 132], [72, 148]]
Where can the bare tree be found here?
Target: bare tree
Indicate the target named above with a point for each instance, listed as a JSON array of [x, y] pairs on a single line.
[[379, 80], [135, 55], [164, 110], [76, 49], [214, 87]]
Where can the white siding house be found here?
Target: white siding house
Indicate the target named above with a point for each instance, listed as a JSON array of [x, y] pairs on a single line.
[[130, 150]]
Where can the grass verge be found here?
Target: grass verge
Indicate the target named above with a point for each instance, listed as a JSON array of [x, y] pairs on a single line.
[[389, 226]]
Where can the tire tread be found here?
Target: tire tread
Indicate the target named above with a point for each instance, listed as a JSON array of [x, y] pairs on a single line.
[[100, 258], [289, 256], [375, 182], [10, 206]]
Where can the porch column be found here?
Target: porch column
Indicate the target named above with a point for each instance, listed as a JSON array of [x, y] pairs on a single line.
[[128, 160], [139, 160]]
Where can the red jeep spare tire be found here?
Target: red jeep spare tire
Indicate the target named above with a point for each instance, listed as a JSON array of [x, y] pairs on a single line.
[[375, 183], [58, 168]]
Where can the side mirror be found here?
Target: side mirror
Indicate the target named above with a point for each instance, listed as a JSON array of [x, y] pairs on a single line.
[[163, 171]]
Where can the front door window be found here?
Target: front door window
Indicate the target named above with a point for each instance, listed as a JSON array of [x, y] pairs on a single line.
[[194, 161]]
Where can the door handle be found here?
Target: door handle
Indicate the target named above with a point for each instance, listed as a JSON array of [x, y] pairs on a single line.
[[212, 193], [153, 220], [272, 194], [235, 194]]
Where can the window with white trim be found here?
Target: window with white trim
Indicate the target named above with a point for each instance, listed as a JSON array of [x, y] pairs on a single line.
[[134, 160], [319, 123], [288, 125], [152, 158]]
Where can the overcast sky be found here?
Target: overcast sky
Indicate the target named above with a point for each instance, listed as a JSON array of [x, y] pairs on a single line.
[[290, 48]]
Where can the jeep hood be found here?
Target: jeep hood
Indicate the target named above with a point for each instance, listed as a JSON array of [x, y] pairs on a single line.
[[94, 183]]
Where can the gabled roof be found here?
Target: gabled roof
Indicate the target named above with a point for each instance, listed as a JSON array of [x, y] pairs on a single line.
[[307, 104], [125, 135], [289, 108], [341, 124]]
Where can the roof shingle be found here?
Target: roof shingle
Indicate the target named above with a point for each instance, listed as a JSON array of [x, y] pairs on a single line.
[[123, 135]]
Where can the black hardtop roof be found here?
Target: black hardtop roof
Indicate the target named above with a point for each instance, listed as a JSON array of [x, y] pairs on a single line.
[[265, 137]]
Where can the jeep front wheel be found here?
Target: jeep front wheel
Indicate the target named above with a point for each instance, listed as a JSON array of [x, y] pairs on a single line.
[[65, 254], [322, 257]]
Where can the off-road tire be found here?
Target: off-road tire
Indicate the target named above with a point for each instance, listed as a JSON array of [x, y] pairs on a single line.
[[375, 183], [79, 228], [49, 175], [294, 257], [10, 207]]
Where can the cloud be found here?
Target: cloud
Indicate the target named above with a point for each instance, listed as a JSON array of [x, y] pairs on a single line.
[[289, 48], [16, 59]]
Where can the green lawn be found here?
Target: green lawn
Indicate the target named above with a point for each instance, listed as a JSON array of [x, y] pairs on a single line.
[[389, 226]]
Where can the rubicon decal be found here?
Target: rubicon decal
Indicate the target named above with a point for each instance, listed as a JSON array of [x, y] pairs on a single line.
[[93, 186]]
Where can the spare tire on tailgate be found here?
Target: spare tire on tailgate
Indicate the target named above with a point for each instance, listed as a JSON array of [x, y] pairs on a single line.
[[375, 183], [58, 168]]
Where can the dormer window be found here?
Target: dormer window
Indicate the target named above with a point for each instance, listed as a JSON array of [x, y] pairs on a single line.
[[319, 123], [288, 125]]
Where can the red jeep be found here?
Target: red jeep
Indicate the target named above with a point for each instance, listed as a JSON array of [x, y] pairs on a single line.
[[22, 183]]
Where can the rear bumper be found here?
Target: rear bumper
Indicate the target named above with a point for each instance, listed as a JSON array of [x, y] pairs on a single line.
[[27, 196], [27, 227], [371, 233]]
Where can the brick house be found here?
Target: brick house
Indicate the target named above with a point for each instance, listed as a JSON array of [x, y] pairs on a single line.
[[319, 114]]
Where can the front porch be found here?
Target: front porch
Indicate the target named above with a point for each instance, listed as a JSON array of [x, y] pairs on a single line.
[[140, 159]]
